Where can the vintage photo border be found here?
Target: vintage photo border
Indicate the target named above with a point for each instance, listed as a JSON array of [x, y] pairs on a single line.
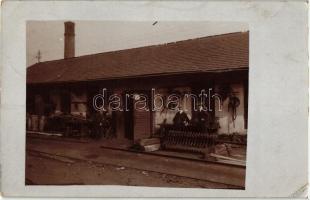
[[278, 101]]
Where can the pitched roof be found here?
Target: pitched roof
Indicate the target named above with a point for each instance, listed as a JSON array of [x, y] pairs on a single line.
[[213, 53]]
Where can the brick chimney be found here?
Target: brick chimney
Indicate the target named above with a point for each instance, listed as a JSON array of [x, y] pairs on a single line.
[[69, 40]]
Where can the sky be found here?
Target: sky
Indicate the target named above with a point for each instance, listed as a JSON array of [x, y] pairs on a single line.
[[103, 36]]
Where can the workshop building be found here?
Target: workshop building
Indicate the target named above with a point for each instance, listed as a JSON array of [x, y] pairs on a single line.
[[219, 63]]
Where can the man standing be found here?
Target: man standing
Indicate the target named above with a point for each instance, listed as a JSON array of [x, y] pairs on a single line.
[[98, 122], [180, 119], [202, 119]]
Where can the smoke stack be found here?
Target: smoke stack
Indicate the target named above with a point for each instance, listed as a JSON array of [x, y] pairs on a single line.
[[69, 40]]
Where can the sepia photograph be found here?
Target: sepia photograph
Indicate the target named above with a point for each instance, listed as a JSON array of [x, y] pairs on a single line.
[[154, 99], [137, 103]]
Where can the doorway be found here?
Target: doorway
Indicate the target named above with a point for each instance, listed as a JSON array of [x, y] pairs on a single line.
[[138, 123]]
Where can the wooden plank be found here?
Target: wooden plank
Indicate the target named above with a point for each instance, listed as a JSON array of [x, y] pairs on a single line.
[[226, 158], [142, 125]]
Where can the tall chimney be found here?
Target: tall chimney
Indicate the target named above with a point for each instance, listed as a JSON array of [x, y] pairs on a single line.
[[69, 40]]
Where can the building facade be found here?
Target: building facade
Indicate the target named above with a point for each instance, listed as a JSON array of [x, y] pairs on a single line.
[[217, 65]]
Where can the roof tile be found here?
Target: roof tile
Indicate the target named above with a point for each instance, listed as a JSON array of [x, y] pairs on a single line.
[[221, 52]]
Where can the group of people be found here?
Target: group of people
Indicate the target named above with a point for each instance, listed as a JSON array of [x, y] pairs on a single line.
[[200, 119], [102, 125]]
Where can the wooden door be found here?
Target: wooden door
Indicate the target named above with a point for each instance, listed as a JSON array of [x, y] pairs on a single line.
[[142, 118]]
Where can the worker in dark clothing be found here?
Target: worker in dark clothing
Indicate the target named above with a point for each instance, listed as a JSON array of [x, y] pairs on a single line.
[[202, 119], [98, 124], [180, 119], [109, 125]]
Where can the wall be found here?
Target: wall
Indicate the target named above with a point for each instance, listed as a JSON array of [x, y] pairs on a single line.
[[168, 114], [79, 104], [39, 105], [56, 99], [119, 119], [227, 125]]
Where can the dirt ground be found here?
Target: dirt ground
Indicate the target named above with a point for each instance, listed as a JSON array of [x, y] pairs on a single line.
[[55, 171], [57, 162]]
